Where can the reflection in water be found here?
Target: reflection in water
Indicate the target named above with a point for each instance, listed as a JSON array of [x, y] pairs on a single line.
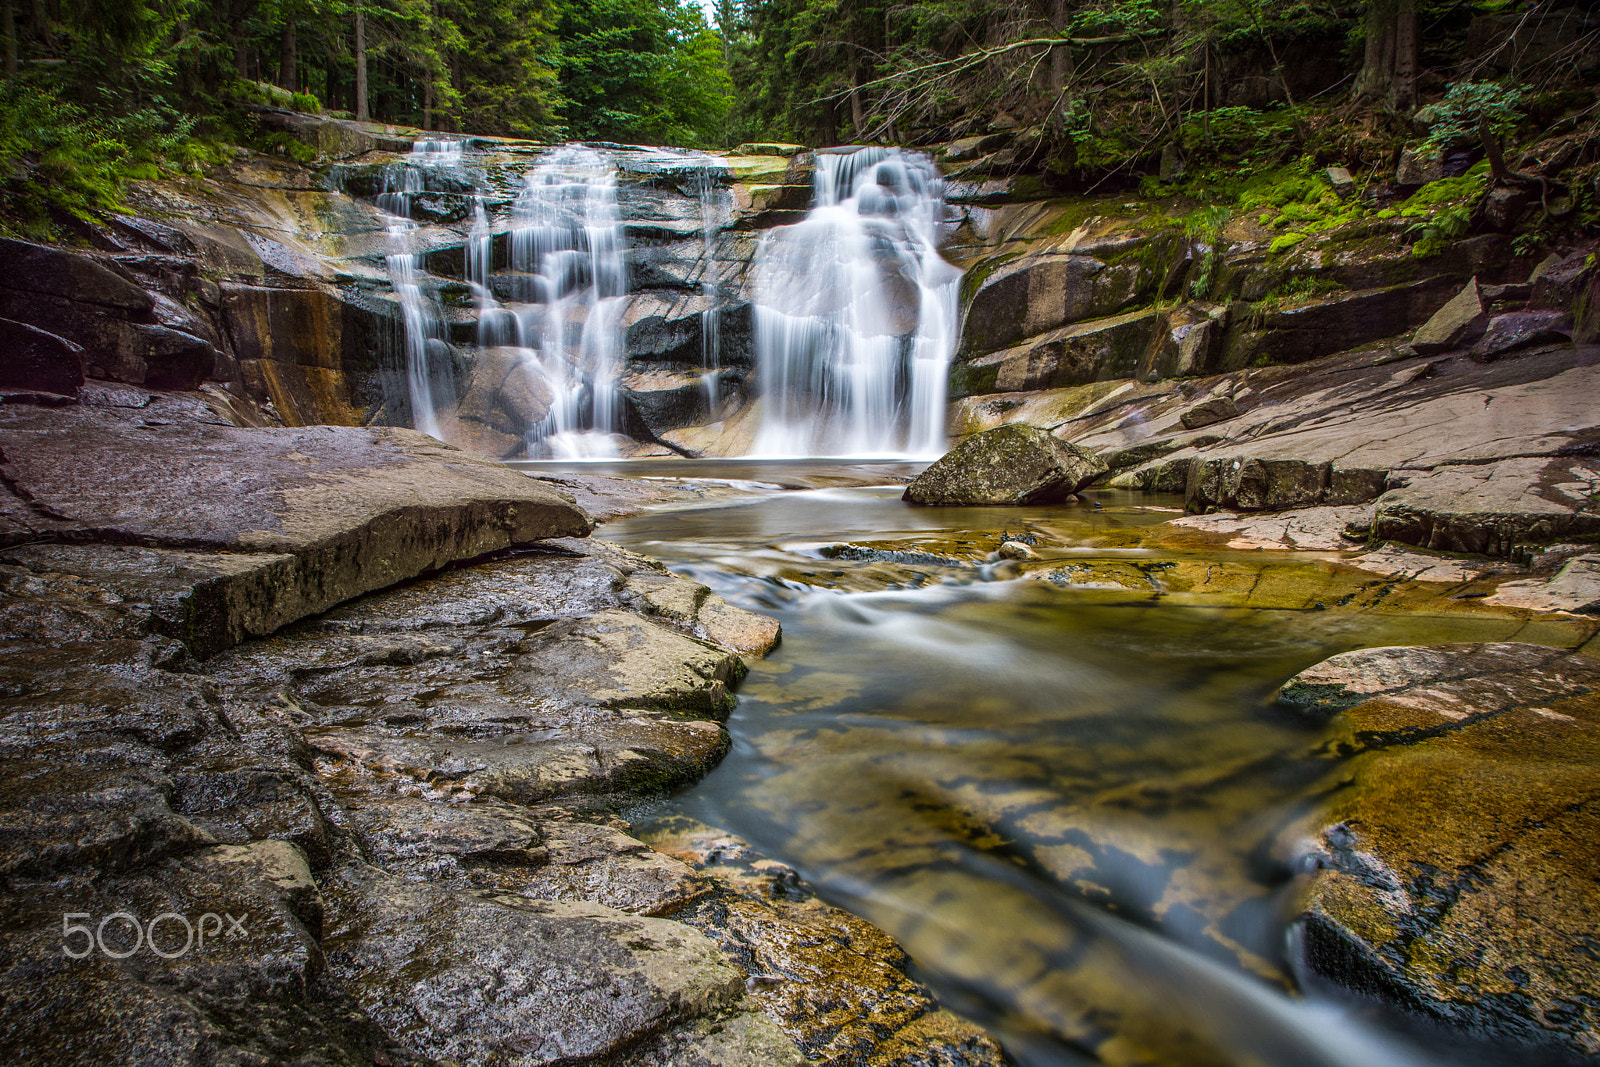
[[1072, 799]]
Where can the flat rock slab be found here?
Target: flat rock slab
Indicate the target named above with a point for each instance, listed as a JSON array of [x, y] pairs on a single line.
[[1492, 508], [1454, 861], [1575, 588], [293, 521]]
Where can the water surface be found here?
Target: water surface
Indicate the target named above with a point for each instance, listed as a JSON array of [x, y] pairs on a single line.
[[1063, 786]]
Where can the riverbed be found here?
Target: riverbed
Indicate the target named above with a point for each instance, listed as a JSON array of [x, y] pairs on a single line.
[[1063, 783]]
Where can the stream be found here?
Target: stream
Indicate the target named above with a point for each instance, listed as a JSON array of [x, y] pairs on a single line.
[[1062, 786]]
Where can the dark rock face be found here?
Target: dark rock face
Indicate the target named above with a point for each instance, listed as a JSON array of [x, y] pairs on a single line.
[[102, 310], [1518, 329], [34, 359], [1010, 465], [1454, 865], [1556, 288], [1039, 294]]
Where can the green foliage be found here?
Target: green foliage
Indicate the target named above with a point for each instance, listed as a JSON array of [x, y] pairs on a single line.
[[61, 160], [1205, 225], [642, 71], [307, 102], [1455, 119]]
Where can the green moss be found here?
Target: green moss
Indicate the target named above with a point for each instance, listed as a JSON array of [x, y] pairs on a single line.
[[1286, 241]]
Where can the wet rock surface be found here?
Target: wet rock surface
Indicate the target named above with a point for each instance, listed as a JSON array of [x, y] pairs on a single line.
[[242, 531], [384, 833], [1453, 862]]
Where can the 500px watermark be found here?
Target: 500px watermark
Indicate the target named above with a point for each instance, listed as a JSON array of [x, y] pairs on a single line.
[[79, 940]]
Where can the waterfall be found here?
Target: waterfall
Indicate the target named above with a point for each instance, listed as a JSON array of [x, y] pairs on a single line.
[[855, 313], [711, 194], [568, 256], [421, 324]]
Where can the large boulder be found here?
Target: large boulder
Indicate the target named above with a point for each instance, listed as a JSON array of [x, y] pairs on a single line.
[[1452, 863], [1007, 465], [48, 271], [1455, 325], [1518, 329]]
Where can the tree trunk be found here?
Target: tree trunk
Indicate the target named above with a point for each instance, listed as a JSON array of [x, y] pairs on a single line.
[[1377, 71], [1061, 67], [8, 27], [427, 103], [362, 114], [288, 59], [857, 113], [1404, 97]]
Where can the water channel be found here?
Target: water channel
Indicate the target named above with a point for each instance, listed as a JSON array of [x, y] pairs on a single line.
[[1063, 785]]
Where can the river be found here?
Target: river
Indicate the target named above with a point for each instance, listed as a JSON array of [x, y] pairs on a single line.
[[1063, 786]]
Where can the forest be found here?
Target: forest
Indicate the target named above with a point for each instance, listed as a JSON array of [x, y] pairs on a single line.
[[1088, 91]]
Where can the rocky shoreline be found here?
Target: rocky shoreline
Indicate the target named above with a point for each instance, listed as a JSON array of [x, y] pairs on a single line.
[[407, 801]]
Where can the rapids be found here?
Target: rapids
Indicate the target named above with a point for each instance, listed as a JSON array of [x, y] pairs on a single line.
[[1068, 793]]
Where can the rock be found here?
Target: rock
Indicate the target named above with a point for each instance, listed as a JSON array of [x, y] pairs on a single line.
[[837, 986], [1419, 167], [307, 518], [1343, 184], [1517, 329], [1206, 412], [1097, 350], [1575, 588], [299, 348], [767, 149], [1015, 550], [1504, 206], [1556, 287], [78, 278], [1185, 343], [1039, 293], [967, 149], [34, 359], [667, 397], [1315, 529], [1452, 868], [1336, 324], [1008, 465], [1493, 508], [511, 980], [1453, 326], [1252, 484], [169, 359]]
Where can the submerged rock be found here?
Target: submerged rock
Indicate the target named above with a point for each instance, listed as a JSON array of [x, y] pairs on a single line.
[[1008, 465], [1453, 865]]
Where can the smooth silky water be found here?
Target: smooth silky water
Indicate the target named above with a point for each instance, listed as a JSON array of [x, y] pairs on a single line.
[[1064, 788]]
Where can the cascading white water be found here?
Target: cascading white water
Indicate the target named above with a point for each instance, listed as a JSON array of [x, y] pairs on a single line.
[[568, 254], [711, 194], [855, 313], [419, 314]]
